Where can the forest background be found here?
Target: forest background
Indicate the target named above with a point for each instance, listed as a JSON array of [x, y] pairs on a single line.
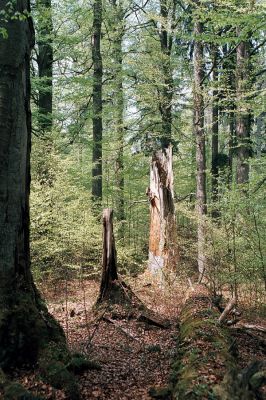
[[156, 65]]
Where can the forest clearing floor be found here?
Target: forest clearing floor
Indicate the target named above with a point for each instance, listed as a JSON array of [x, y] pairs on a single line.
[[134, 356]]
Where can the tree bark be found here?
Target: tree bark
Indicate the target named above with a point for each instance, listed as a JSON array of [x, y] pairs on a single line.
[[97, 103], [200, 144], [243, 123], [25, 325], [45, 60], [163, 250]]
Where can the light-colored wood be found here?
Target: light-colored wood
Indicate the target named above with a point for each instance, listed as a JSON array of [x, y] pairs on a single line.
[[163, 251], [231, 304]]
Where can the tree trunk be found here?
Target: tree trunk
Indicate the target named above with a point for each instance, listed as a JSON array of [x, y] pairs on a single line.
[[162, 246], [109, 265], [119, 30], [200, 145], [163, 251], [215, 132], [25, 325], [97, 103], [45, 60], [167, 13], [243, 122]]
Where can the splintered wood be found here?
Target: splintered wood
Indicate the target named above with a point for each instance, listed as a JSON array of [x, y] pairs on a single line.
[[162, 245]]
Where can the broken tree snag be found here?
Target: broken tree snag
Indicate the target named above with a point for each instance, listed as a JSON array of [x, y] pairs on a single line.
[[109, 266], [227, 310], [163, 243]]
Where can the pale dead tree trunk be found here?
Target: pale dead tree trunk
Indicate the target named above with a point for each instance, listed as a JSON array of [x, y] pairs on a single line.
[[163, 250], [162, 246], [109, 265], [243, 122], [200, 143]]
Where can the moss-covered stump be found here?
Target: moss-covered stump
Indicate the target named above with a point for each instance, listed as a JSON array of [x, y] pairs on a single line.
[[204, 345]]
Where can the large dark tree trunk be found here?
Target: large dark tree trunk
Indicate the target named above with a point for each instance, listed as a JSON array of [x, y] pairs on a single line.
[[243, 123], [97, 103], [25, 325], [200, 143], [45, 60]]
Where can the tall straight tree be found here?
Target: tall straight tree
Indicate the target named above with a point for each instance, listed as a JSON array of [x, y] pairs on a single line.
[[97, 123], [25, 325], [199, 136], [162, 246], [215, 126], [118, 27], [45, 59], [243, 122]]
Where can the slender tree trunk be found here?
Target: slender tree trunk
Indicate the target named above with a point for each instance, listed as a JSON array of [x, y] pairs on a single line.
[[45, 64], [243, 123], [215, 131], [118, 28], [200, 145], [97, 103], [25, 325]]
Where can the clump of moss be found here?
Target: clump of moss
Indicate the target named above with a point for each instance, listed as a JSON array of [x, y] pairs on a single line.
[[79, 363], [162, 393]]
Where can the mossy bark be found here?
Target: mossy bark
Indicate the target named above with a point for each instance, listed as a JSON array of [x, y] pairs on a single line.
[[203, 350], [25, 324]]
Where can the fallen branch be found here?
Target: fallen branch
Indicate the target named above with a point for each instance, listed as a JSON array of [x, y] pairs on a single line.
[[120, 328], [227, 310], [251, 327]]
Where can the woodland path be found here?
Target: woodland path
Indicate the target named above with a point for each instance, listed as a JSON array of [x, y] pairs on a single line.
[[133, 359]]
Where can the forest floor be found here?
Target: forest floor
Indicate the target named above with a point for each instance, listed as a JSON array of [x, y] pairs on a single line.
[[133, 356]]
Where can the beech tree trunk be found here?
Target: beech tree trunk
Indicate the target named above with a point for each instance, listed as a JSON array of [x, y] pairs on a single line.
[[25, 325], [97, 103], [119, 31], [243, 122], [200, 144], [45, 60], [215, 131], [163, 250], [109, 264]]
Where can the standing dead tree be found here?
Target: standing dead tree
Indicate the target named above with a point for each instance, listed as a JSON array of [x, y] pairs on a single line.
[[118, 297], [109, 271]]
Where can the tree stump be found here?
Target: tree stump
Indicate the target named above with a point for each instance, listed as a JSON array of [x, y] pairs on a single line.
[[115, 294], [109, 264]]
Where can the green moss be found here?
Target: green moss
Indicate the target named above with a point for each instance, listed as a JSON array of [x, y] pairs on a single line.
[[79, 364], [163, 393], [14, 391]]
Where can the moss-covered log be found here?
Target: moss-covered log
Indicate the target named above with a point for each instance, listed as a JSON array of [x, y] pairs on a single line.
[[203, 349], [206, 367]]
